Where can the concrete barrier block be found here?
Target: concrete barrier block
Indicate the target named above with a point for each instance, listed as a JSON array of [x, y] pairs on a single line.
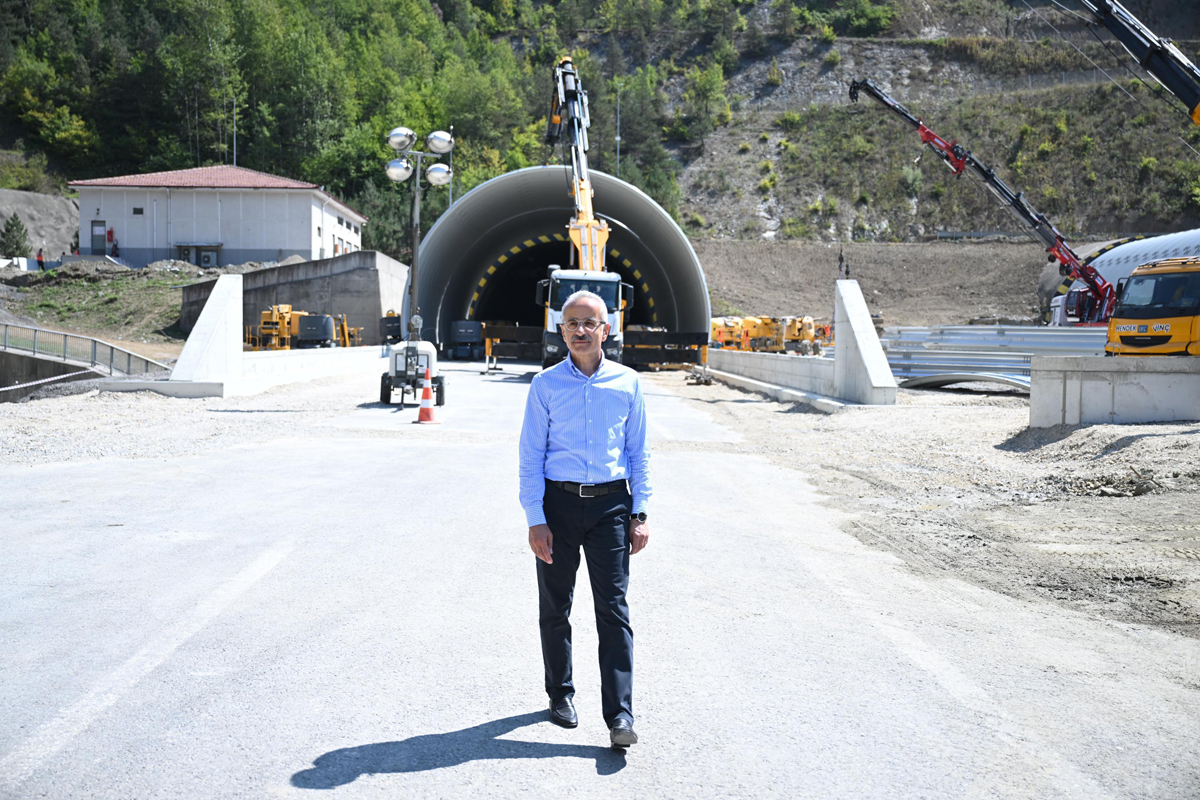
[[1086, 390]]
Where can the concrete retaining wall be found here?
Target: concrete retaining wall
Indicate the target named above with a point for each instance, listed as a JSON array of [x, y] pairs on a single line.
[[16, 368], [805, 373], [1084, 390], [363, 285]]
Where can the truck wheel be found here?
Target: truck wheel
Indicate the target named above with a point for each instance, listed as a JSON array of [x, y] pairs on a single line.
[[441, 394], [385, 389]]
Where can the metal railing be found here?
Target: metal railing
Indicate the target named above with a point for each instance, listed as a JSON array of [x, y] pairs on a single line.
[[1002, 354], [84, 350]]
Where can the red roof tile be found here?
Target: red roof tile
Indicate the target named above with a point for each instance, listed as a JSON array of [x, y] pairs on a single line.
[[222, 177]]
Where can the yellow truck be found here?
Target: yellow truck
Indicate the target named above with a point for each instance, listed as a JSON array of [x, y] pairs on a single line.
[[1158, 313]]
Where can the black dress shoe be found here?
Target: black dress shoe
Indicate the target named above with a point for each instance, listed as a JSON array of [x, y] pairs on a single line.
[[562, 712], [621, 733]]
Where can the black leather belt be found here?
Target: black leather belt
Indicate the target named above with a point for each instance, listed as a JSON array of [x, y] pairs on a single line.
[[589, 489]]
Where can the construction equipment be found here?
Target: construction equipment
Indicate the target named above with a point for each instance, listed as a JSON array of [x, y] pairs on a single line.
[[406, 370], [1102, 296], [726, 333], [804, 336], [466, 341], [390, 328], [282, 327], [1159, 311], [1158, 56], [344, 335], [568, 123], [762, 334], [277, 328]]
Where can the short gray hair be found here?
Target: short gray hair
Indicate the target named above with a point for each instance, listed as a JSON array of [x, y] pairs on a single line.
[[584, 294]]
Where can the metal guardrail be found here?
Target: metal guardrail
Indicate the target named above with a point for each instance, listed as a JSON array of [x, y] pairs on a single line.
[[1002, 354], [84, 350]]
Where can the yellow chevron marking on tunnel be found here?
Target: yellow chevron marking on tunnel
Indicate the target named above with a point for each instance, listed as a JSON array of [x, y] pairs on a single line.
[[482, 282], [544, 239], [615, 253], [475, 298], [627, 263], [646, 288], [503, 259], [637, 275], [650, 300], [514, 250], [492, 269], [528, 242], [559, 237], [654, 317]]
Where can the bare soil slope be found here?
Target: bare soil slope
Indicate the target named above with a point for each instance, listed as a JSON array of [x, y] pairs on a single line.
[[939, 283]]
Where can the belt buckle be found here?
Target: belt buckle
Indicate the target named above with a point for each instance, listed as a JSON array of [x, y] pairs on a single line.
[[582, 486]]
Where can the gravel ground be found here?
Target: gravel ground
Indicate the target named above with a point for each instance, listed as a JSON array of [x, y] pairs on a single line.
[[954, 482]]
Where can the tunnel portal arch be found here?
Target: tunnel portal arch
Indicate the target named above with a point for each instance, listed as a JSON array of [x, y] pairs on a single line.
[[484, 256]]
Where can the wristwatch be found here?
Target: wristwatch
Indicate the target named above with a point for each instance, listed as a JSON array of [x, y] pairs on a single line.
[[640, 516]]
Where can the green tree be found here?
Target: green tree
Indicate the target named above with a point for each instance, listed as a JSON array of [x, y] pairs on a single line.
[[14, 239], [703, 97]]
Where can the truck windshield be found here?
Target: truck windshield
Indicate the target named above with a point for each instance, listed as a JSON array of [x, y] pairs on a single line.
[[1170, 295], [565, 288]]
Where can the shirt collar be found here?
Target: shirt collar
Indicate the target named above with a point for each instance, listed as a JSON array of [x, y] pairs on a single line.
[[579, 373]]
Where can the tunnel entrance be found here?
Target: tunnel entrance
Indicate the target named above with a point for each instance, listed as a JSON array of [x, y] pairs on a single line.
[[507, 288], [484, 256]]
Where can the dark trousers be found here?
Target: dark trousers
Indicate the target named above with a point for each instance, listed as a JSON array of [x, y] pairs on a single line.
[[600, 525]]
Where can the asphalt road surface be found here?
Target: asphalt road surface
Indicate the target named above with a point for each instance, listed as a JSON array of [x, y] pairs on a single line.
[[355, 614]]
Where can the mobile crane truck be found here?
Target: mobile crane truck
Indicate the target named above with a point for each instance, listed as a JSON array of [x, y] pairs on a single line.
[[568, 123]]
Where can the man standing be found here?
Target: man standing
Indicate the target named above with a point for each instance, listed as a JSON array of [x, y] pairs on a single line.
[[583, 439], [41, 261]]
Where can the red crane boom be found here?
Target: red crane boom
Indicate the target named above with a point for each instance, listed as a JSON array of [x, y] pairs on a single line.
[[959, 160]]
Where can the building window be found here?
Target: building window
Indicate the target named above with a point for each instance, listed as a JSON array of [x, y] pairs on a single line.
[[355, 230], [341, 221], [137, 212], [318, 231]]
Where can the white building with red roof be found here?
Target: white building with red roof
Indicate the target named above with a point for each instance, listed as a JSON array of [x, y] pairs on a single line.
[[213, 216]]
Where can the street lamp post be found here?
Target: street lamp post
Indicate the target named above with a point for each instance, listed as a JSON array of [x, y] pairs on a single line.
[[400, 169]]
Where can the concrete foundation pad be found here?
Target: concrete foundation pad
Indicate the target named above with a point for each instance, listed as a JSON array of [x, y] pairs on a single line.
[[1083, 390], [826, 405], [189, 389]]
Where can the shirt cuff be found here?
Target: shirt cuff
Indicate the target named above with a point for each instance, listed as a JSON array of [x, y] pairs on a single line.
[[640, 505], [535, 515]]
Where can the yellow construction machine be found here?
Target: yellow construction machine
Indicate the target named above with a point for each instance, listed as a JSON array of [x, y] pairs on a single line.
[[762, 334], [726, 333], [284, 328], [804, 336]]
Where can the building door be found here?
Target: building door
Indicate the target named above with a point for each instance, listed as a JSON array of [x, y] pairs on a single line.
[[98, 237]]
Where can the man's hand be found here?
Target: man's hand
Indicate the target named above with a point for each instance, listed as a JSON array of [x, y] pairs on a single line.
[[639, 535], [541, 542]]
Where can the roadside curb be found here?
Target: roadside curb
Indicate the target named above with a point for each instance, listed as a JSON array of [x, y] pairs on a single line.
[[826, 405]]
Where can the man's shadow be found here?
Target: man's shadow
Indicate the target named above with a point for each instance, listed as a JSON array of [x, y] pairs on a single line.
[[439, 750]]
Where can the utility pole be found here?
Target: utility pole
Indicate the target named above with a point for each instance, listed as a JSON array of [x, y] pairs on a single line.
[[618, 129]]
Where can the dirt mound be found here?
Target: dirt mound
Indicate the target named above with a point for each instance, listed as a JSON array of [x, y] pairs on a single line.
[[938, 283]]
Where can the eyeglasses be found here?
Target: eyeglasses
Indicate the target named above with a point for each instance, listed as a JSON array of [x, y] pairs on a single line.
[[588, 324]]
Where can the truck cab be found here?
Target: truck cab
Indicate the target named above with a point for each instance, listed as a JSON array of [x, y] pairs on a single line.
[[562, 283], [1158, 312]]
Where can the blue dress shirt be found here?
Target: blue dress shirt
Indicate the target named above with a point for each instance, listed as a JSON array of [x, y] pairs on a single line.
[[584, 430]]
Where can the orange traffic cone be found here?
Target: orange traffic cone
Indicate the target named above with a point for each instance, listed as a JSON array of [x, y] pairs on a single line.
[[426, 415]]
